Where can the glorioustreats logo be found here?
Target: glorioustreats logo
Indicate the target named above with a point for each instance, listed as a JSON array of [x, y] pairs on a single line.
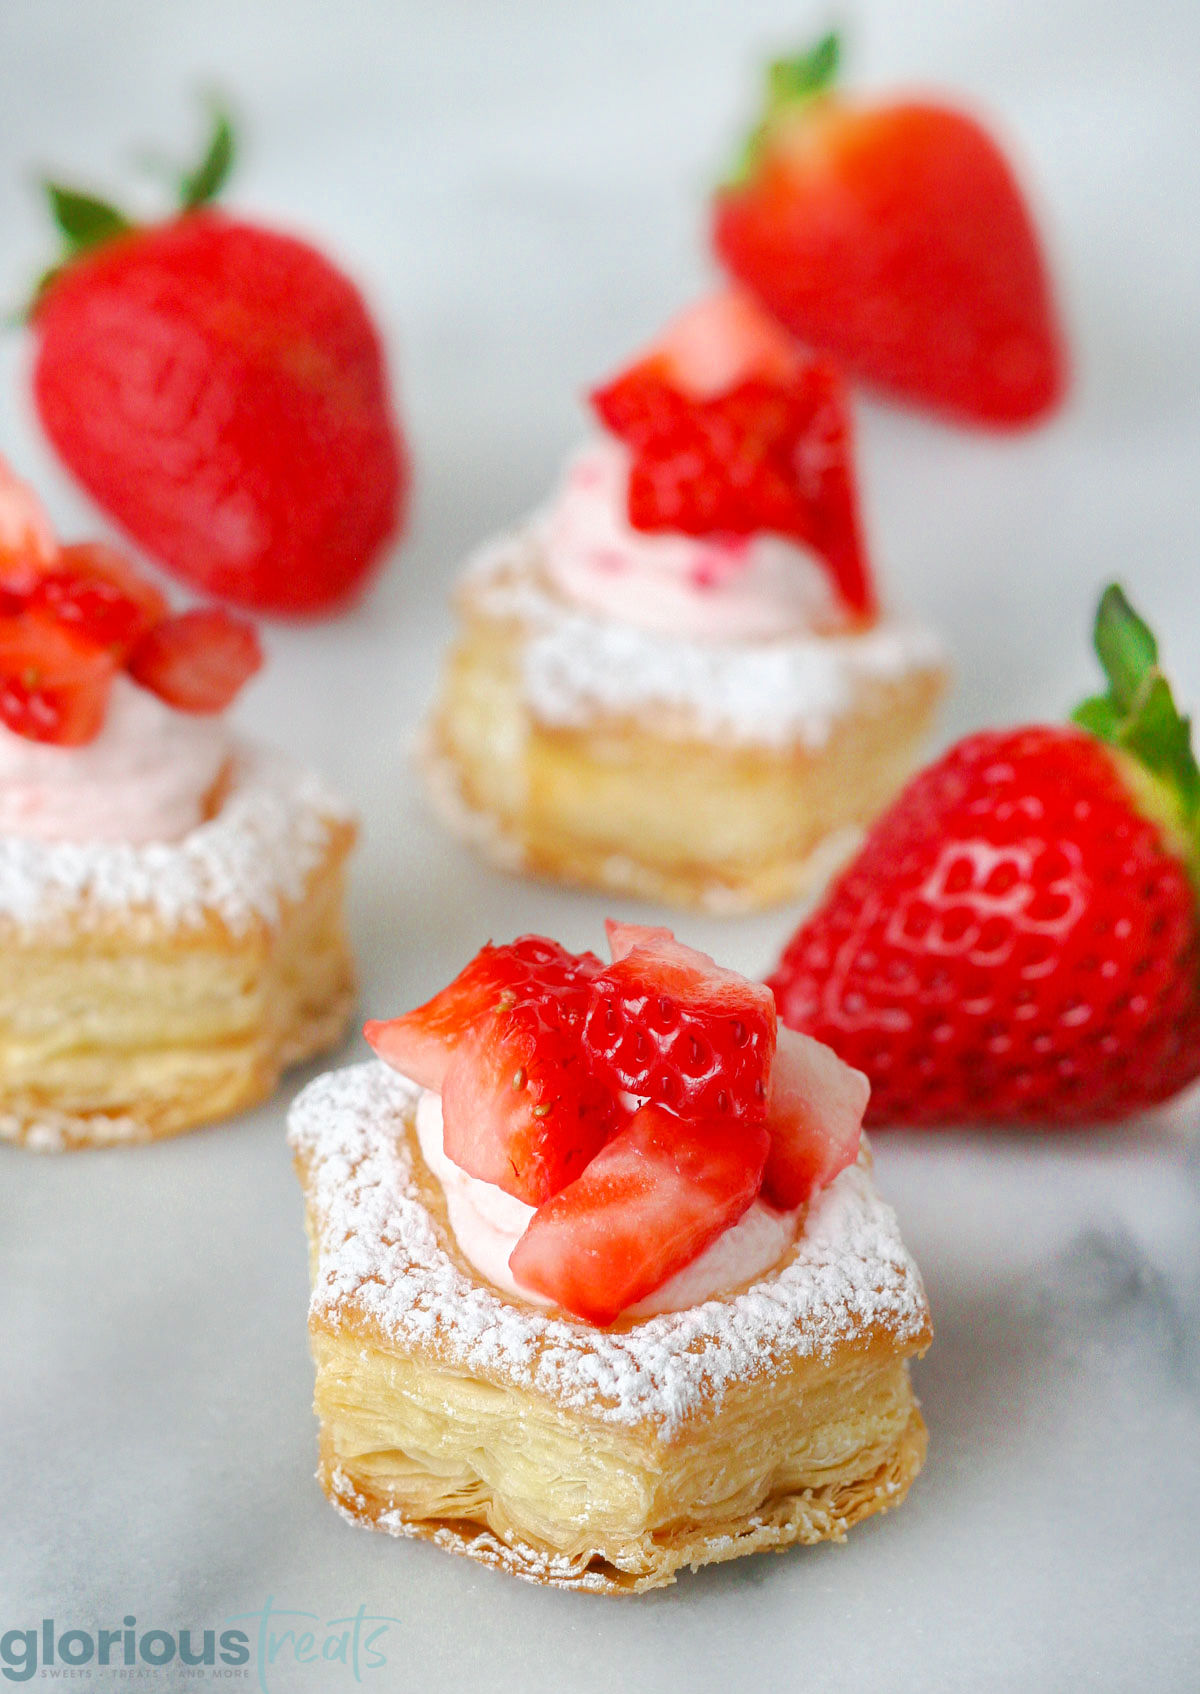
[[248, 1647]]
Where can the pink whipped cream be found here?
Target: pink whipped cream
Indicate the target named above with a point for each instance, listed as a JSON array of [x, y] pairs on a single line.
[[709, 588], [148, 776], [487, 1224]]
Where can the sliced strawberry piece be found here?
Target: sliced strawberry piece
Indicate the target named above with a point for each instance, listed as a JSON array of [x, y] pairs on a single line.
[[54, 685], [814, 1116], [198, 661], [624, 937], [734, 431], [96, 590], [520, 1106], [421, 1043], [669, 1025], [649, 1203], [27, 544]]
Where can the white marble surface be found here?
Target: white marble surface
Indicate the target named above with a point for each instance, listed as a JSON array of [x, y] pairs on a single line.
[[520, 186]]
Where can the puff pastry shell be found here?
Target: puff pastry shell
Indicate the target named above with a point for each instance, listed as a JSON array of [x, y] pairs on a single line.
[[594, 1459], [722, 776], [150, 989]]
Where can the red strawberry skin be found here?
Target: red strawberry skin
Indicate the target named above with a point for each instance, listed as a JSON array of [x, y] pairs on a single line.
[[520, 1105], [96, 591], [667, 1024], [1015, 943], [421, 1043], [649, 1203], [756, 438], [54, 684], [197, 661], [895, 239], [221, 392]]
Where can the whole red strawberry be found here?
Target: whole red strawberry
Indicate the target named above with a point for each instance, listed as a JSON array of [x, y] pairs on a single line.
[[894, 238], [1018, 940], [220, 390]]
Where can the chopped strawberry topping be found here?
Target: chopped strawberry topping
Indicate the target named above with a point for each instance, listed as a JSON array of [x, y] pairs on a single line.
[[421, 1043], [54, 685], [97, 592], [27, 544], [535, 1050], [814, 1117], [198, 661], [520, 1105], [734, 431], [668, 1024], [649, 1203]]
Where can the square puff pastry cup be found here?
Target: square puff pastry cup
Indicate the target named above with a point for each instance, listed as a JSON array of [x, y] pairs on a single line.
[[150, 989], [596, 1459], [722, 775]]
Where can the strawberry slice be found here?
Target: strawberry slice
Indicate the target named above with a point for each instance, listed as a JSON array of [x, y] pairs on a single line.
[[197, 661], [668, 1024], [421, 1044], [649, 1203], [734, 431], [27, 544], [96, 590], [521, 1108], [624, 937], [814, 1117], [54, 685]]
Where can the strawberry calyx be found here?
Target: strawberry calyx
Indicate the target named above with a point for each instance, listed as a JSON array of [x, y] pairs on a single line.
[[791, 82], [85, 222], [1138, 718]]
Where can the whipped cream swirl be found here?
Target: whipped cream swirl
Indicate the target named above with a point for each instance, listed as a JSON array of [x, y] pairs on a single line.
[[150, 775], [707, 587]]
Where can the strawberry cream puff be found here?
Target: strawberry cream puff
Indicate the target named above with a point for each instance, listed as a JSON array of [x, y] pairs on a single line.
[[675, 680], [602, 1286], [170, 897]]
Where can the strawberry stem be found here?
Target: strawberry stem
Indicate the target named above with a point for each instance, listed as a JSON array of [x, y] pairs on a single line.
[[201, 186], [790, 82], [86, 222], [804, 74], [1138, 716]]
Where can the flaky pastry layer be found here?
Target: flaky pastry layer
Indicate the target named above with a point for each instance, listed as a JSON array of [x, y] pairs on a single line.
[[779, 1413], [646, 800], [122, 1024]]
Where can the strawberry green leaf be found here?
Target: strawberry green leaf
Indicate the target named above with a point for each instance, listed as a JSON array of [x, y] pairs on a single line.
[[1138, 715], [804, 74], [1162, 739], [790, 82], [84, 221], [202, 185], [1099, 716], [1125, 645]]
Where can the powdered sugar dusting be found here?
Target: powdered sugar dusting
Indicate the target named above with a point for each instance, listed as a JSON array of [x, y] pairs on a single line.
[[379, 1253], [258, 851], [772, 692]]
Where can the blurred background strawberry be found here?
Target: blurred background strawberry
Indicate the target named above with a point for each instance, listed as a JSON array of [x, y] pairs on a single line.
[[220, 389]]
